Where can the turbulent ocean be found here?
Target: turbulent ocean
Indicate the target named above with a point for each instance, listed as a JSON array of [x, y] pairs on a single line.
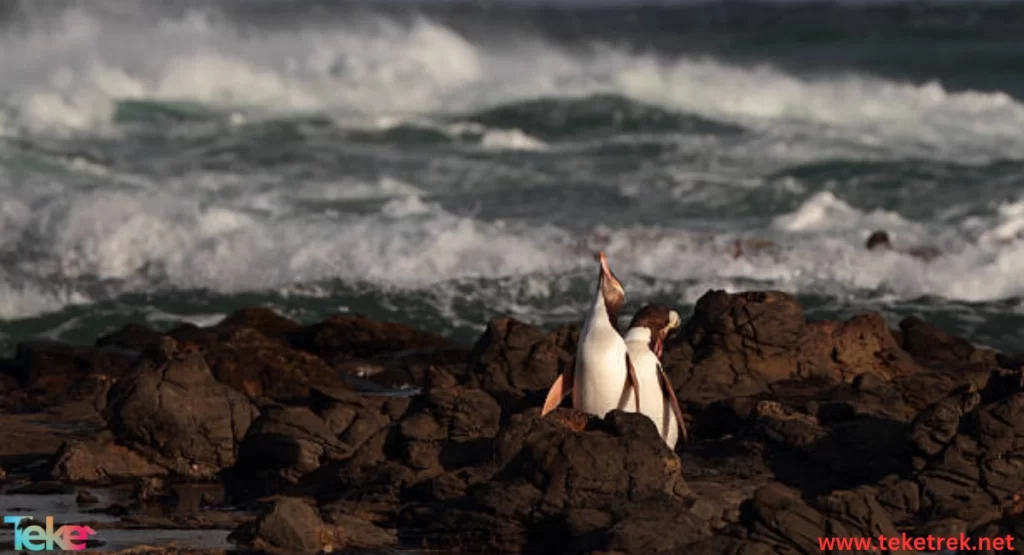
[[443, 164]]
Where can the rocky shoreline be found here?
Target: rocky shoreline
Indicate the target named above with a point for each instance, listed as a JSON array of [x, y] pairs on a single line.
[[358, 434]]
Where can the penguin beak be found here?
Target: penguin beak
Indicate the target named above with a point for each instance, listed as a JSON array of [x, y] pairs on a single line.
[[606, 272], [673, 324]]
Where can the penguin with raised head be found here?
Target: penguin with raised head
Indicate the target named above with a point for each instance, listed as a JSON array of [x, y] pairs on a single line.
[[645, 342], [603, 378]]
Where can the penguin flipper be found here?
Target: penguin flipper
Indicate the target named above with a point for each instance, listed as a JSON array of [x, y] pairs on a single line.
[[673, 401], [631, 376], [562, 387]]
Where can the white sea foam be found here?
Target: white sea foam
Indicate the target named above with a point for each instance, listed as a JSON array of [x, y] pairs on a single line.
[[824, 211], [14, 216], [68, 77], [129, 239], [255, 231], [511, 140], [123, 236], [1009, 224], [495, 139], [201, 320], [19, 301], [352, 189]]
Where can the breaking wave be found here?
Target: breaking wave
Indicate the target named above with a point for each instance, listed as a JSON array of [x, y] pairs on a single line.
[[400, 163]]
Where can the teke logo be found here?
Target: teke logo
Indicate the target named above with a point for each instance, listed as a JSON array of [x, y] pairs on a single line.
[[35, 538]]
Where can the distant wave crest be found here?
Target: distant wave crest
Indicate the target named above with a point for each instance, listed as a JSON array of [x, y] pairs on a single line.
[[86, 74]]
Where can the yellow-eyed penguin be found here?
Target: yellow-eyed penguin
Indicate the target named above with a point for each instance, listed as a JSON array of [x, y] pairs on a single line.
[[645, 341], [603, 378]]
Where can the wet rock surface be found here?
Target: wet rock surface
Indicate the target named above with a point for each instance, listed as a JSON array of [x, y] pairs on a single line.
[[356, 434]]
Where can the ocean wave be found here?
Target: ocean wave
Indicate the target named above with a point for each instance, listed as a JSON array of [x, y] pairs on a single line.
[[85, 73], [399, 165], [595, 116], [102, 244]]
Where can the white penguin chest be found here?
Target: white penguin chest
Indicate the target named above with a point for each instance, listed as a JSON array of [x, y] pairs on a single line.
[[600, 369]]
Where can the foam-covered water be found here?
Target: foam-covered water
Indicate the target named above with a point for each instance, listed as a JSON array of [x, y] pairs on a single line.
[[445, 167]]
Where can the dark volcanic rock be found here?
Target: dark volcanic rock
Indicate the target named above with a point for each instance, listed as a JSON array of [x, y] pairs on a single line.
[[388, 372], [980, 466], [815, 458], [131, 337], [170, 408], [281, 447], [367, 354], [357, 418], [735, 345], [937, 425], [517, 363], [566, 338], [378, 444], [799, 430], [932, 346], [296, 525], [55, 366], [263, 320], [449, 428], [99, 461], [353, 337], [926, 388], [739, 344], [298, 451], [50, 373], [264, 354], [789, 400], [375, 469], [289, 525], [779, 520], [1009, 528], [865, 345], [247, 352], [356, 533], [570, 483], [249, 362]]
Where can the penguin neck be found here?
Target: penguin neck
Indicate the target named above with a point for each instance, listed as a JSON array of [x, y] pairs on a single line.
[[639, 334], [601, 314]]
